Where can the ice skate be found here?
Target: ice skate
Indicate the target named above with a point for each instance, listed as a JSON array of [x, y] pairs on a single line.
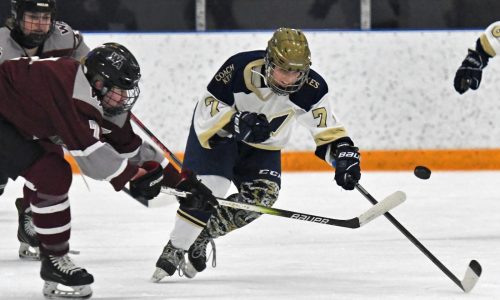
[[64, 280], [170, 260], [197, 255], [28, 250]]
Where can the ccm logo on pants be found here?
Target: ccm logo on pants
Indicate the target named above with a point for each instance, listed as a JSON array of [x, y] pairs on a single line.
[[270, 172]]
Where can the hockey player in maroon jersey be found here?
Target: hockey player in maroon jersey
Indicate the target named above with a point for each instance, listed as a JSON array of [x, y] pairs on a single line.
[[85, 108], [32, 31]]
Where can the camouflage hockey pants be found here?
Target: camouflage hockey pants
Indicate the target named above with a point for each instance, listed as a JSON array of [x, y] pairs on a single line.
[[255, 172], [226, 219]]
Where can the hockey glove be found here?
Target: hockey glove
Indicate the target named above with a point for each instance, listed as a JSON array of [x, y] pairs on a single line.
[[470, 72], [347, 170], [199, 198], [249, 127], [148, 186], [3, 183]]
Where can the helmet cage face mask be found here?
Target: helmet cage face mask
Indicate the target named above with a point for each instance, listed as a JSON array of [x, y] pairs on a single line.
[[117, 69], [18, 10], [276, 87], [116, 101], [287, 50]]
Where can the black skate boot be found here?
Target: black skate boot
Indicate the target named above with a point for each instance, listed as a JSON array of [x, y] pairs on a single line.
[[29, 248], [170, 260], [197, 255], [61, 270]]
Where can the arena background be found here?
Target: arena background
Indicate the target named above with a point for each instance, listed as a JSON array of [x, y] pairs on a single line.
[[393, 90], [389, 70]]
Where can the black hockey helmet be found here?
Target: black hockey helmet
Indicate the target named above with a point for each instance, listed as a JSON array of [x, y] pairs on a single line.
[[19, 7], [117, 68]]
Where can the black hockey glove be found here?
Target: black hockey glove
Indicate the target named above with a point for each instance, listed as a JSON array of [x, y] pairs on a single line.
[[249, 127], [199, 198], [347, 169], [470, 72], [3, 183], [148, 186]]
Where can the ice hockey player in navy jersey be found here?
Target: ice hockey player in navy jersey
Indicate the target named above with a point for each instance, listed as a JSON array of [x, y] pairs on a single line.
[[239, 127], [470, 72], [33, 31]]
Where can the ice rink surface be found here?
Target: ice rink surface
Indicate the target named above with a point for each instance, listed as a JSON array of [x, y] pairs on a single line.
[[456, 215]]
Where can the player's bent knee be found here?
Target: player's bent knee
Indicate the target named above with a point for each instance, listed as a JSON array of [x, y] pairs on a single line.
[[260, 191], [50, 174]]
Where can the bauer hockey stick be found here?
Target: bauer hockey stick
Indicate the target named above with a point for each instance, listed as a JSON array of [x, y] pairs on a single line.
[[375, 211], [473, 270], [387, 204]]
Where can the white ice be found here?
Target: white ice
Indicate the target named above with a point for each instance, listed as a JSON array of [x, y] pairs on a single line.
[[454, 214]]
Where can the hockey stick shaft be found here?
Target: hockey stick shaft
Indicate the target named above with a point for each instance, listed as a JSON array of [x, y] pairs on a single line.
[[469, 281], [383, 206], [148, 132]]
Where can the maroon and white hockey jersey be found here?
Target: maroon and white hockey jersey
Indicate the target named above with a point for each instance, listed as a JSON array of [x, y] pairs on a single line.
[[63, 41], [51, 99]]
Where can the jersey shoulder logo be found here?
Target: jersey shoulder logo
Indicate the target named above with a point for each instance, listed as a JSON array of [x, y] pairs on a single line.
[[62, 27], [496, 31], [225, 74], [313, 83]]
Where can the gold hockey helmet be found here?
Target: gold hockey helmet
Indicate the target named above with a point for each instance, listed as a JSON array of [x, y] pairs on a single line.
[[288, 50]]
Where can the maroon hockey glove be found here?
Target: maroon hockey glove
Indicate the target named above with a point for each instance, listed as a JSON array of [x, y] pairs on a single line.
[[347, 169], [148, 186], [200, 197]]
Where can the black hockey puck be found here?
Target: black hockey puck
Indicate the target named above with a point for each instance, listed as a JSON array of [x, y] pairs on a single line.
[[422, 172]]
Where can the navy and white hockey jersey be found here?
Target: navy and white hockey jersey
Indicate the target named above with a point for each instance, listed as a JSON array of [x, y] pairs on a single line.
[[239, 85], [490, 39]]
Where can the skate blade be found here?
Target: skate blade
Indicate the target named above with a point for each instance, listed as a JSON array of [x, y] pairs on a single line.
[[188, 270], [54, 290], [26, 252], [158, 275]]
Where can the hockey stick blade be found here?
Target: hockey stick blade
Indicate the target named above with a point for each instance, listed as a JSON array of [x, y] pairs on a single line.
[[473, 270], [471, 276], [382, 207]]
